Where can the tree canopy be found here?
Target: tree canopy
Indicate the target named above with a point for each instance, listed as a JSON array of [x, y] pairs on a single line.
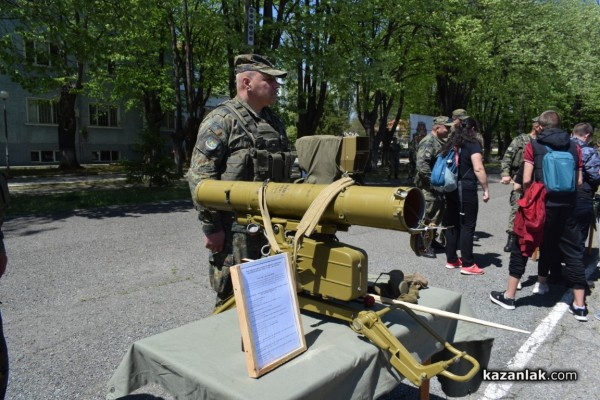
[[504, 61]]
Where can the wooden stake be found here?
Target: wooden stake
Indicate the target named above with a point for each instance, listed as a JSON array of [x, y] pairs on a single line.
[[447, 314]]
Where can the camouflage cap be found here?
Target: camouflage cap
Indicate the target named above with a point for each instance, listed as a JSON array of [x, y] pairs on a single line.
[[536, 119], [460, 114], [255, 62], [442, 120]]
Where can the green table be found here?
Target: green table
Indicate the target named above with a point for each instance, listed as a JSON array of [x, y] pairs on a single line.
[[203, 360]]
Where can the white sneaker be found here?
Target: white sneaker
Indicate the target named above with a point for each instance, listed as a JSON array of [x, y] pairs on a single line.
[[519, 286], [540, 288]]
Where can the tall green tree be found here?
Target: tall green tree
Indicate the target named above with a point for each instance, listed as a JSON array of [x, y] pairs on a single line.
[[141, 75], [385, 53], [199, 41], [51, 47]]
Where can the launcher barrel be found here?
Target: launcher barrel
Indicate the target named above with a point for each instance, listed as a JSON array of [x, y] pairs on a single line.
[[396, 208]]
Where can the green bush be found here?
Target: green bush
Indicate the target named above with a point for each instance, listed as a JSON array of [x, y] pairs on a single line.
[[154, 167]]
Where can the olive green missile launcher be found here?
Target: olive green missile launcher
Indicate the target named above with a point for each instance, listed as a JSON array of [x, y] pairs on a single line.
[[325, 267], [302, 219]]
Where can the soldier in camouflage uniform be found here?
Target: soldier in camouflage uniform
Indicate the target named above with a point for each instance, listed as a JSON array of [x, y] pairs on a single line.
[[511, 162], [240, 140], [427, 152], [460, 115], [413, 145]]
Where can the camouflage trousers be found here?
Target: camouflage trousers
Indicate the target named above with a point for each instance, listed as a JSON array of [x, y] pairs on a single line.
[[515, 196], [435, 206], [239, 244]]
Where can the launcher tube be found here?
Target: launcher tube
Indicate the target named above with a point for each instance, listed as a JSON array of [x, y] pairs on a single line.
[[399, 208]]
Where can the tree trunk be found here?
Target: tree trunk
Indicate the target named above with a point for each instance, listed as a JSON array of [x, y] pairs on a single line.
[[451, 94], [67, 128]]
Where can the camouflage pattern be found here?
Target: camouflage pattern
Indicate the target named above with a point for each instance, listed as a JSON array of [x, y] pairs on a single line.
[[412, 156], [413, 145], [510, 164], [427, 153], [513, 156], [515, 196], [239, 245], [255, 62], [460, 113], [220, 136], [394, 159]]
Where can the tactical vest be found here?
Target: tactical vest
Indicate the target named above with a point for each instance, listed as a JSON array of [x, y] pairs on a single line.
[[260, 154]]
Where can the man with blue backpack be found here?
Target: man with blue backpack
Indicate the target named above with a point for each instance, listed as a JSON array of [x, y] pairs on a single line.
[[427, 152], [554, 160]]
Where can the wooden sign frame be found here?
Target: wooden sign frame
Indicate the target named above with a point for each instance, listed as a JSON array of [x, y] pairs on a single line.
[[268, 311]]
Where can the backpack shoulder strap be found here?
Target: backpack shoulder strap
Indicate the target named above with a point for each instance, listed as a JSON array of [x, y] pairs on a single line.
[[246, 120]]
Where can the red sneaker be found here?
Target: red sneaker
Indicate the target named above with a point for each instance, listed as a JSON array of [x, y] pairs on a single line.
[[472, 270], [455, 264]]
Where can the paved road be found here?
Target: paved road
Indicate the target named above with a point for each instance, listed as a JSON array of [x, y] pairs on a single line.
[[81, 287]]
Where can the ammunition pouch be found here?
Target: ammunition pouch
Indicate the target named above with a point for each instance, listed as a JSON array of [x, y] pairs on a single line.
[[239, 166], [274, 166], [258, 165]]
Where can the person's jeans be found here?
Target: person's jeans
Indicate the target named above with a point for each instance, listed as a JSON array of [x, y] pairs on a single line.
[[461, 222]]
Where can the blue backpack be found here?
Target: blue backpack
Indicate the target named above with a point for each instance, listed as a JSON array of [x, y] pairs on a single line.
[[558, 168], [444, 175]]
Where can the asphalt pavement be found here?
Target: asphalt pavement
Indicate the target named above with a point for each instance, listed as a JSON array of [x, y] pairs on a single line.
[[81, 287]]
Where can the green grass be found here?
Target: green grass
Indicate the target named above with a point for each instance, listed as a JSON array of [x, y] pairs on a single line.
[[52, 170], [94, 198]]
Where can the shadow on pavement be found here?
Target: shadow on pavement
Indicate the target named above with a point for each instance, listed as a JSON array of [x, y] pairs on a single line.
[[32, 224]]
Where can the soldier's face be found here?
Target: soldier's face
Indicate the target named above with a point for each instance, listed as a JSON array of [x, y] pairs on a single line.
[[441, 130], [264, 88]]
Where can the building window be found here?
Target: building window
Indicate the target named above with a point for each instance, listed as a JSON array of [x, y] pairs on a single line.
[[45, 156], [105, 115], [38, 52], [105, 156], [42, 111]]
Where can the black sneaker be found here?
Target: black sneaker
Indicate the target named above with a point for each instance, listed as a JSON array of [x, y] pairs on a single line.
[[498, 298], [580, 315]]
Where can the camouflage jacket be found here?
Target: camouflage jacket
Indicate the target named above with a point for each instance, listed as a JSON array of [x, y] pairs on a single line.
[[427, 153], [413, 145], [221, 134], [513, 156]]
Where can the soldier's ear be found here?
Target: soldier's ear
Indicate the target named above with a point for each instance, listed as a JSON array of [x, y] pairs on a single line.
[[246, 81]]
